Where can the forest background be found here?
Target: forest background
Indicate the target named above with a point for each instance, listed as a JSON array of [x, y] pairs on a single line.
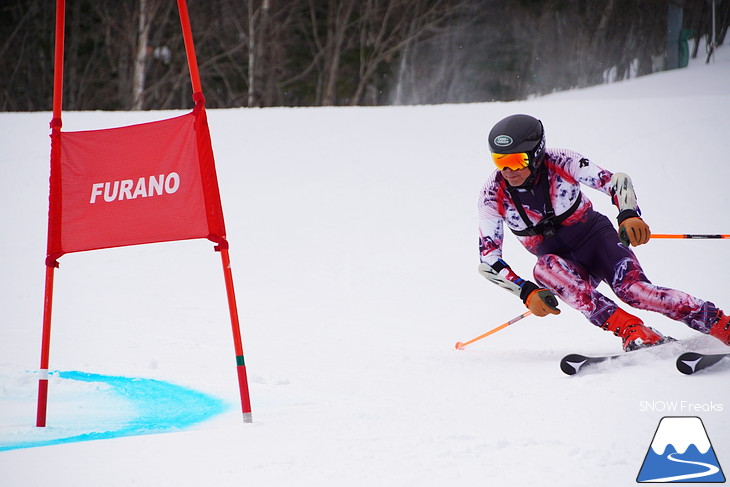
[[129, 54]]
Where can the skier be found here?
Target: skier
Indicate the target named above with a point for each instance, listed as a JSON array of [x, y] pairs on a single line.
[[536, 192]]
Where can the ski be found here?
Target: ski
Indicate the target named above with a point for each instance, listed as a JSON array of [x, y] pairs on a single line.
[[690, 362], [573, 363]]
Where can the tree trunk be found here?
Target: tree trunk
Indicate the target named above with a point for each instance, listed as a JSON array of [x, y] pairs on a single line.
[[338, 17], [138, 76]]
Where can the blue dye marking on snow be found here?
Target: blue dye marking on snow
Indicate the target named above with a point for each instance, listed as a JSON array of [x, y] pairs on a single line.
[[159, 406]]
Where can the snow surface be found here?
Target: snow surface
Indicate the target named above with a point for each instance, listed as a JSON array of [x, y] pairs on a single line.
[[353, 240]]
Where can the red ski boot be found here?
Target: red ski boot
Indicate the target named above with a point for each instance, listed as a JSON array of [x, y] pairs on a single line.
[[632, 330], [721, 328]]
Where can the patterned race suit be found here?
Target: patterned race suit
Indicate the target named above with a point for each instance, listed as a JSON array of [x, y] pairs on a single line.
[[585, 249]]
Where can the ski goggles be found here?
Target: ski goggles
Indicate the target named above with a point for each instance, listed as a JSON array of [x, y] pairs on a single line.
[[515, 162]]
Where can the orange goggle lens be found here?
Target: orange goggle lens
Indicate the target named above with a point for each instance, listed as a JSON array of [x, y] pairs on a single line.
[[512, 161]]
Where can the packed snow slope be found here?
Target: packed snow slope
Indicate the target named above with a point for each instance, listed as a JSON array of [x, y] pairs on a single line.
[[353, 238]]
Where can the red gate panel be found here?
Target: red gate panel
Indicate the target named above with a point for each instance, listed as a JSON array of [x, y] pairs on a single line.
[[145, 183]]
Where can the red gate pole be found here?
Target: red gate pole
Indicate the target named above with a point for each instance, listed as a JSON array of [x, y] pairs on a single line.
[[237, 343], [222, 247], [51, 264], [45, 351], [182, 7]]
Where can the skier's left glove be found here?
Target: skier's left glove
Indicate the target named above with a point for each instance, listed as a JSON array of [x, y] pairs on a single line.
[[539, 300], [634, 231]]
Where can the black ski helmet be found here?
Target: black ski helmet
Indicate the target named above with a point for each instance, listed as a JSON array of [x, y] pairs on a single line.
[[519, 133]]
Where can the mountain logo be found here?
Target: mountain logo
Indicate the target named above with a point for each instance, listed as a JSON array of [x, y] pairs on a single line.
[[680, 452]]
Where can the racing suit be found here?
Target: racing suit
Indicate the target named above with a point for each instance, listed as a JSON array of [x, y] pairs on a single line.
[[576, 246]]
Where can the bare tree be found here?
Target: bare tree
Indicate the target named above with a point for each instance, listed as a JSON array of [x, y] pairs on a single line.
[[338, 19], [152, 16], [386, 29], [143, 34], [129, 54], [258, 17], [352, 42]]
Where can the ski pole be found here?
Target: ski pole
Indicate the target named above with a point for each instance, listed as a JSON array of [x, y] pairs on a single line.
[[687, 235], [460, 345]]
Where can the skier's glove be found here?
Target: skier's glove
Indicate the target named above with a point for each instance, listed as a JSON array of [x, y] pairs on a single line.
[[539, 300], [634, 231]]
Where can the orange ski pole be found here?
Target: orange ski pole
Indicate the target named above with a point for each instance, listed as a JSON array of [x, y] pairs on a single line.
[[460, 345], [687, 235]]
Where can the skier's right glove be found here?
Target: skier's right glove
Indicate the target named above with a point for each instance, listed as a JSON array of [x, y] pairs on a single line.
[[539, 300]]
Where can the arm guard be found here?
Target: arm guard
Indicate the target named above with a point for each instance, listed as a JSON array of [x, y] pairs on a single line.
[[520, 287], [491, 274], [624, 197]]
